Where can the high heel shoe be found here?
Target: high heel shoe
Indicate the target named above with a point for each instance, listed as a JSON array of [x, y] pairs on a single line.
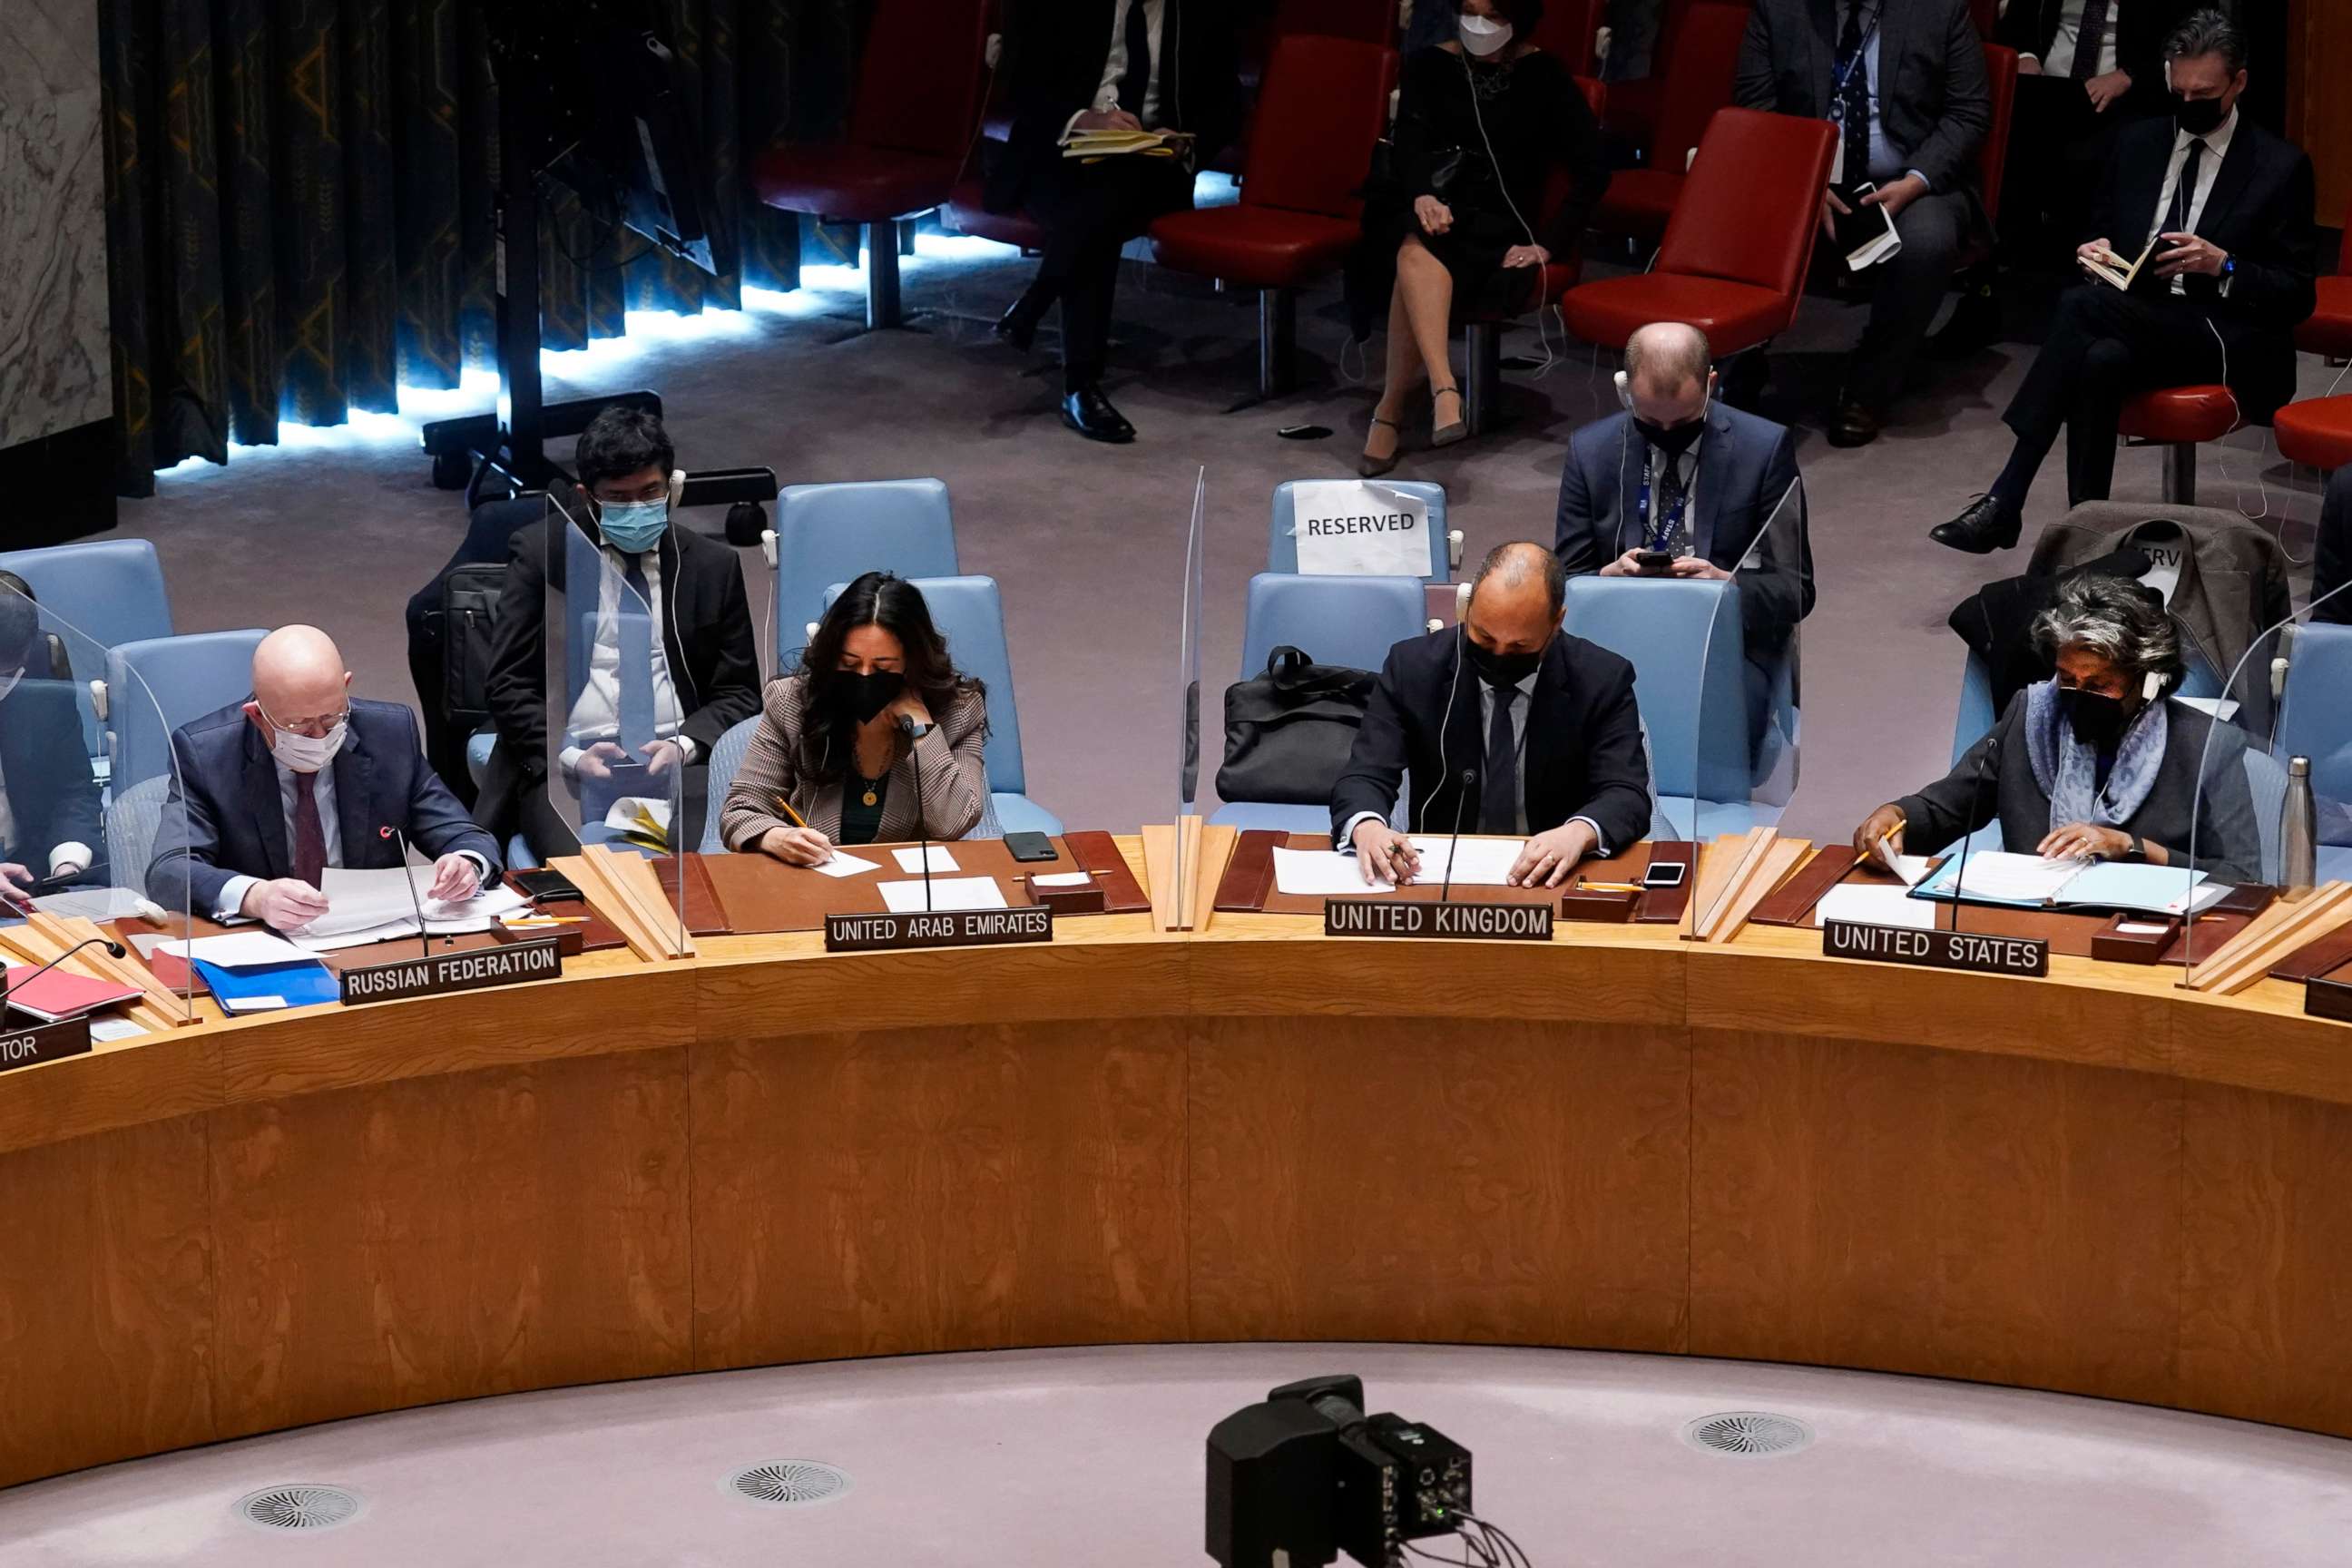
[[1372, 467], [1018, 325], [1445, 435]]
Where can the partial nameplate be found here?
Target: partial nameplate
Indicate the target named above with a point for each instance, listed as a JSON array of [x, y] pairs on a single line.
[[37, 1043], [2322, 998], [1378, 916], [941, 928], [1974, 951], [472, 969]]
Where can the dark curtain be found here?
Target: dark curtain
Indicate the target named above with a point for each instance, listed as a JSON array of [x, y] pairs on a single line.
[[299, 201]]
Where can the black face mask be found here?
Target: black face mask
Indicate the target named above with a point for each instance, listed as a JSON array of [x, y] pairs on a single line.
[[2098, 719], [2198, 116], [861, 697], [1502, 669], [1674, 440]]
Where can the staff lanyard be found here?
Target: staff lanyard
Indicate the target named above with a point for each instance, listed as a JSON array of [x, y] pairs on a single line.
[[1659, 535]]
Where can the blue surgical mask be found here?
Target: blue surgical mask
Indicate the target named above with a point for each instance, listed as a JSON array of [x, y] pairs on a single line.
[[632, 527]]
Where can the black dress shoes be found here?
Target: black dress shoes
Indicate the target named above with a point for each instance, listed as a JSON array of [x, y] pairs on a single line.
[[1852, 425], [1990, 523], [1018, 325], [1086, 410]]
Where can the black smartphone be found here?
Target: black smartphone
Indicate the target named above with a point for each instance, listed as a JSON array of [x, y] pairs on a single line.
[[1665, 874], [1030, 847], [1652, 562], [546, 887]]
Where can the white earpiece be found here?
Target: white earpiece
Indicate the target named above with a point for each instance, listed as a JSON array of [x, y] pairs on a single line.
[[1624, 392], [2152, 687]]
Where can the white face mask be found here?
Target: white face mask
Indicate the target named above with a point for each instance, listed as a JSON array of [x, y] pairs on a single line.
[[8, 682], [1484, 36], [306, 753]]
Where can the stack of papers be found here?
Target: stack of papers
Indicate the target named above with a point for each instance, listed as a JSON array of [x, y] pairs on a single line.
[[366, 907], [250, 970], [946, 893], [1126, 144], [1477, 862], [2032, 881], [1870, 904], [1321, 873]]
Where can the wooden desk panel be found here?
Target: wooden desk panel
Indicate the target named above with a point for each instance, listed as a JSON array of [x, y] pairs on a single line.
[[1395, 1179]]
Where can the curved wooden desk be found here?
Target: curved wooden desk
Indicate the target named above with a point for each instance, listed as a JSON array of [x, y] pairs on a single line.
[[2092, 1183]]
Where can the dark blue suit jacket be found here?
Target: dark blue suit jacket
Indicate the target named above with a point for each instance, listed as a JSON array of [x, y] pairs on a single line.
[[235, 825], [1746, 466]]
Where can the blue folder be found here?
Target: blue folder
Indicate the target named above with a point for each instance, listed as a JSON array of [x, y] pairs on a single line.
[[306, 984]]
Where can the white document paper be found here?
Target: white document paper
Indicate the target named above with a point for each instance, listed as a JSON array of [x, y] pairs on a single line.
[[1319, 873], [2008, 878], [1477, 862], [1062, 879], [357, 901], [1911, 869], [1872, 905], [911, 860], [947, 893], [1359, 528], [643, 813], [238, 950], [845, 866]]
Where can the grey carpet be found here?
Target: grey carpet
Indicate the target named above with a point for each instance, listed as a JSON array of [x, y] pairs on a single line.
[[1089, 540]]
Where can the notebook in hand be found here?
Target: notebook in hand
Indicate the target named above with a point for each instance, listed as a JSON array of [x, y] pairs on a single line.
[[1865, 235], [2113, 269], [58, 995], [1126, 144]]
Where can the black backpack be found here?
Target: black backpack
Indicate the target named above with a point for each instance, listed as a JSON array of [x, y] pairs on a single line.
[[1288, 731], [469, 604]]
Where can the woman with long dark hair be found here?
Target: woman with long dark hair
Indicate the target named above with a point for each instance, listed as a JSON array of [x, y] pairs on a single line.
[[841, 739]]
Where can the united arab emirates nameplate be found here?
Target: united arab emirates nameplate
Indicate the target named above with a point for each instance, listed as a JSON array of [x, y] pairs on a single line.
[[1446, 922], [468, 969], [943, 928], [1975, 951]]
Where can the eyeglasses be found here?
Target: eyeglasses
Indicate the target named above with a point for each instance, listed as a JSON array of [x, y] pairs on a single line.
[[615, 496], [316, 729]]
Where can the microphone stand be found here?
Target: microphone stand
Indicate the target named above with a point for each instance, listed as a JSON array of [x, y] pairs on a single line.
[[113, 950], [424, 942], [1469, 783], [1987, 768], [922, 825]]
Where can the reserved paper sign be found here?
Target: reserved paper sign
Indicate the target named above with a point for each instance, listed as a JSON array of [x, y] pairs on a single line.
[[1351, 528]]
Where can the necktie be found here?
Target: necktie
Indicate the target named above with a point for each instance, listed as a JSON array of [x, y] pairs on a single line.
[[1498, 788], [636, 642], [1136, 78], [2175, 217], [1668, 528], [2087, 34], [309, 837], [1853, 98]]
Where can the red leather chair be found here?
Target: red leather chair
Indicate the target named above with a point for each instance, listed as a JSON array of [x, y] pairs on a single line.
[[2177, 418], [1365, 21], [1734, 258], [2328, 330], [1325, 104], [1569, 29], [1992, 158], [1986, 14], [1635, 102], [1482, 334], [2316, 431], [911, 122], [1698, 83]]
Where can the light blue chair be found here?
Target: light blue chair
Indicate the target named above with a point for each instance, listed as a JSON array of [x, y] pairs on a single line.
[[157, 684], [970, 614], [99, 594], [836, 534], [1693, 689], [1349, 621], [2315, 721], [724, 758], [1445, 547]]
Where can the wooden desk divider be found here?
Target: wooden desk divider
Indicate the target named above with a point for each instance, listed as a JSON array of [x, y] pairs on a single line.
[[624, 888], [1175, 858], [2276, 932], [1764, 860], [1793, 902], [44, 936]]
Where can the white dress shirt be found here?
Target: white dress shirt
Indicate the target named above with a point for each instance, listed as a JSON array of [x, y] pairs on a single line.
[[2217, 147], [2068, 42], [1155, 12], [596, 713]]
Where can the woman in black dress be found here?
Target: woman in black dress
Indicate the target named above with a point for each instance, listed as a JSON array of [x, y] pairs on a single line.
[[1481, 121]]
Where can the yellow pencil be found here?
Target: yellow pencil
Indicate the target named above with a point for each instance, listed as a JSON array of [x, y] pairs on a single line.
[[786, 807]]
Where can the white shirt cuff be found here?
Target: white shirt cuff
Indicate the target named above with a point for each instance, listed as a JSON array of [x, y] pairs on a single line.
[[1600, 839], [1921, 178], [686, 752], [231, 904], [1348, 833], [73, 853]]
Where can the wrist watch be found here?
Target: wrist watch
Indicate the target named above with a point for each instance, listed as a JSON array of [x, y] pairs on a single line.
[[2139, 850]]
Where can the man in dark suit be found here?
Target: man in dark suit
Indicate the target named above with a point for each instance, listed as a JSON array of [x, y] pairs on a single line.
[[668, 667], [1543, 722], [1905, 82], [2085, 70], [273, 791], [1091, 65], [48, 801], [1680, 474], [2227, 206]]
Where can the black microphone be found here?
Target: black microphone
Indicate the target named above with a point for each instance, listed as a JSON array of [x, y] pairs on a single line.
[[1469, 783], [113, 950], [914, 732], [388, 831], [1988, 767]]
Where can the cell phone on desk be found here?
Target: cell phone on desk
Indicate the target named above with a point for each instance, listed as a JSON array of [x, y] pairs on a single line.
[[547, 886], [1652, 562], [1026, 846], [1665, 874]]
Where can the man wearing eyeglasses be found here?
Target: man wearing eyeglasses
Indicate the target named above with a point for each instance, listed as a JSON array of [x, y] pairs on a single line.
[[302, 776]]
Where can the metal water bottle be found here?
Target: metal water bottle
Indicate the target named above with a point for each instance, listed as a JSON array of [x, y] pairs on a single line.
[[2298, 836]]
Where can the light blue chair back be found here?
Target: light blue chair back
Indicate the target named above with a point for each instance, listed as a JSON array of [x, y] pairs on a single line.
[[1349, 621], [1282, 546], [724, 758], [1692, 687], [105, 593], [971, 616], [133, 817], [836, 534], [186, 679], [2316, 716]]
